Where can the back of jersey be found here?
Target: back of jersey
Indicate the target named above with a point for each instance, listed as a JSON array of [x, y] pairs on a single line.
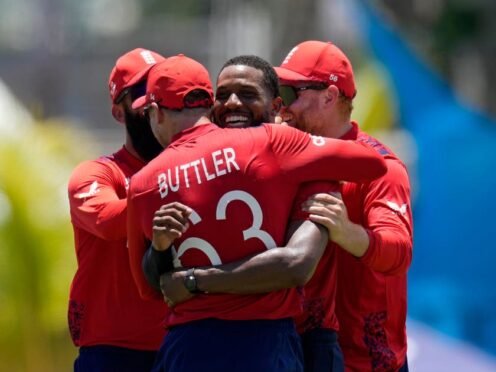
[[240, 184]]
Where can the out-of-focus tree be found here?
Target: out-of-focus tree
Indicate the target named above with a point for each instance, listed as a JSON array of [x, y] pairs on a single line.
[[36, 254]]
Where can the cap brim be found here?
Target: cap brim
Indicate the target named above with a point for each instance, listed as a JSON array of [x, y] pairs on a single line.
[[139, 103], [290, 76], [138, 76]]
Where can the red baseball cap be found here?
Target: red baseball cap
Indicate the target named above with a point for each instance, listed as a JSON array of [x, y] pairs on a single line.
[[171, 80], [318, 61], [130, 69]]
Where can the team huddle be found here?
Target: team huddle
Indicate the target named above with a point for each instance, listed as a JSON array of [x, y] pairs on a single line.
[[254, 229]]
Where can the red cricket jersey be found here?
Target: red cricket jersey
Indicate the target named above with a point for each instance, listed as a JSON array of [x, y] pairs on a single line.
[[105, 307], [241, 184], [319, 294], [371, 292]]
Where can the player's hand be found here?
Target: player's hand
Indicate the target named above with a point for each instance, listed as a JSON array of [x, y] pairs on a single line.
[[169, 223], [173, 289], [330, 211]]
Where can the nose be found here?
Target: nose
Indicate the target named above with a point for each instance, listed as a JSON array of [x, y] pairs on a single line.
[[233, 101]]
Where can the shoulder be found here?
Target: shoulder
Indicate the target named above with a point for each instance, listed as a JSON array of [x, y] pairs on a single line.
[[377, 145], [103, 167], [397, 172], [280, 134]]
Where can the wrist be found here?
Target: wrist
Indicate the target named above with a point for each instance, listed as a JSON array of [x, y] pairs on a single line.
[[341, 237], [156, 247], [190, 281], [354, 240]]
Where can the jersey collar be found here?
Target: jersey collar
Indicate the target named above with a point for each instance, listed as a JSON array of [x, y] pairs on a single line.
[[192, 133], [126, 157], [352, 134]]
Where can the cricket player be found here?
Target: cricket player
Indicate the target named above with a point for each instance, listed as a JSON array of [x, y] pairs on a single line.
[[113, 327], [370, 222]]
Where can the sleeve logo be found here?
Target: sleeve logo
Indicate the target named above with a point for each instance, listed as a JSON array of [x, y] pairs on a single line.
[[92, 191], [396, 208]]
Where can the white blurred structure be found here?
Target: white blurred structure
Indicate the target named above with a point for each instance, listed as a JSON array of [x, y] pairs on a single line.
[[431, 351]]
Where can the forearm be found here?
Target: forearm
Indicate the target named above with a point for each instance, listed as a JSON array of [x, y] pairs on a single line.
[[269, 271], [390, 252], [354, 239], [277, 268], [385, 250]]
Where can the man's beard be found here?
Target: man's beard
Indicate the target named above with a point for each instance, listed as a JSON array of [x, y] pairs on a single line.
[[142, 138], [265, 118]]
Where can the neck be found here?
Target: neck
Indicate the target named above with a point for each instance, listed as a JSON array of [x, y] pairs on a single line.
[[129, 147], [343, 129], [335, 128], [192, 121]]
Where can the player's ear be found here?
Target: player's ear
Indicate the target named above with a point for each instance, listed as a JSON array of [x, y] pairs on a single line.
[[118, 113], [154, 113], [331, 94], [276, 106]]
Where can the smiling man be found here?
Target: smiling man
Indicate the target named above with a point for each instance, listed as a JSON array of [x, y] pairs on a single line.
[[247, 93]]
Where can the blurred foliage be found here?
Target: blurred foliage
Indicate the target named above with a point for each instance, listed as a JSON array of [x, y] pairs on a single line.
[[456, 25], [37, 258], [375, 108], [183, 8]]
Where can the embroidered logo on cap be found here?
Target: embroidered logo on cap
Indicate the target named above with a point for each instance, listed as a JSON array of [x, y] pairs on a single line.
[[290, 54], [333, 77], [148, 57]]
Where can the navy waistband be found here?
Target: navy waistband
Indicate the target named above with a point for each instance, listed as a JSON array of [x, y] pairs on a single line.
[[278, 324], [111, 349], [320, 334]]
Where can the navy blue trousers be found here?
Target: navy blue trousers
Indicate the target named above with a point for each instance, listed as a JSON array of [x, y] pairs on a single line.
[[231, 345], [105, 358], [404, 368], [321, 351]]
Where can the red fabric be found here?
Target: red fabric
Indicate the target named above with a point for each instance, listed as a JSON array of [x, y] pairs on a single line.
[[104, 303], [371, 293], [320, 292], [230, 178]]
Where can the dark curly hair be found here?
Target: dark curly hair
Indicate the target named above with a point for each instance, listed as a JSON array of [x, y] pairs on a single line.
[[270, 79]]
